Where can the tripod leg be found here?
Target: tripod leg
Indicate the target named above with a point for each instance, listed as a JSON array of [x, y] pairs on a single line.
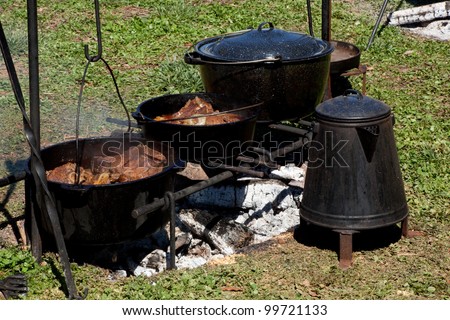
[[375, 28]]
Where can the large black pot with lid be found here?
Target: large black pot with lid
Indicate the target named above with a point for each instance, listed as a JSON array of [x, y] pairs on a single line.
[[286, 70], [353, 180]]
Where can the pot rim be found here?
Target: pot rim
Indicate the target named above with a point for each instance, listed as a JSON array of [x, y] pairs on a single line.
[[174, 164], [142, 119]]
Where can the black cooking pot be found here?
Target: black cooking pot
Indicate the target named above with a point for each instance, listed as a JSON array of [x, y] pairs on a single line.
[[199, 143], [346, 56], [353, 180], [288, 71], [101, 214]]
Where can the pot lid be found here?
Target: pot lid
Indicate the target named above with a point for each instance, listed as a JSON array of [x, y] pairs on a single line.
[[263, 44], [352, 107]]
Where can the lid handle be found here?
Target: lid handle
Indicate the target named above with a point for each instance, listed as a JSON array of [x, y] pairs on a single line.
[[261, 25], [353, 92]]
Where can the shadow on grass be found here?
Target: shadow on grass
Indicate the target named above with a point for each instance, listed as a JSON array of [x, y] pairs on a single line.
[[325, 238], [12, 220]]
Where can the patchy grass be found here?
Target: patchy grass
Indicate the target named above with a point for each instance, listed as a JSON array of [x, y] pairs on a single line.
[[144, 42]]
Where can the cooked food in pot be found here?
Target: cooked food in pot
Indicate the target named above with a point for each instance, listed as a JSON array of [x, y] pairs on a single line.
[[191, 114], [135, 163]]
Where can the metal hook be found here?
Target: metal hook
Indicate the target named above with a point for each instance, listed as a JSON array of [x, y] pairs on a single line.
[[99, 37]]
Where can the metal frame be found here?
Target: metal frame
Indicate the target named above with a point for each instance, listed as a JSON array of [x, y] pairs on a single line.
[[42, 201]]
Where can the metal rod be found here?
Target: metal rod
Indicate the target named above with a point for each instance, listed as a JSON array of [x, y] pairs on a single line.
[[310, 22], [31, 224], [265, 154], [375, 27], [289, 129], [159, 203], [99, 37], [326, 36], [362, 69], [305, 123], [250, 160], [326, 20], [16, 177], [35, 121], [170, 203], [293, 146], [33, 61], [247, 171]]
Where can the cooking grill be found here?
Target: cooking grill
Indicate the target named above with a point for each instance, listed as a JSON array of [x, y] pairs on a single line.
[[46, 206]]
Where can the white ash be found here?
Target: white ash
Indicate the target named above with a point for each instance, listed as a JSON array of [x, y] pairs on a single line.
[[253, 194], [289, 172], [224, 219]]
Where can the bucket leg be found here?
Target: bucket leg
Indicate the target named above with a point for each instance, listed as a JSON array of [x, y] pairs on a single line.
[[409, 233], [345, 248], [405, 227]]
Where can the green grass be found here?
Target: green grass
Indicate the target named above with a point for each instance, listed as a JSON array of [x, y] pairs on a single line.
[[144, 42]]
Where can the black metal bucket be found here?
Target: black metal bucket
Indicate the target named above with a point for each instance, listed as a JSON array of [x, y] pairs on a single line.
[[101, 214], [353, 180]]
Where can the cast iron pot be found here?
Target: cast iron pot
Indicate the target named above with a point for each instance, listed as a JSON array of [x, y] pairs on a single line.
[[288, 71], [346, 56], [198, 143], [101, 214], [353, 180]]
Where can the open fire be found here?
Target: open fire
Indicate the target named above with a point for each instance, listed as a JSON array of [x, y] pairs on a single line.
[[217, 222]]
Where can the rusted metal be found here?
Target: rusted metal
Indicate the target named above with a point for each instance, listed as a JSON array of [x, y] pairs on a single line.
[[268, 158], [404, 226], [281, 152], [345, 248], [159, 203], [406, 232], [249, 160], [239, 169], [361, 70]]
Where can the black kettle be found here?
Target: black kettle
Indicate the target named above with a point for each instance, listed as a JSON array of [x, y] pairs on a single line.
[[353, 180]]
